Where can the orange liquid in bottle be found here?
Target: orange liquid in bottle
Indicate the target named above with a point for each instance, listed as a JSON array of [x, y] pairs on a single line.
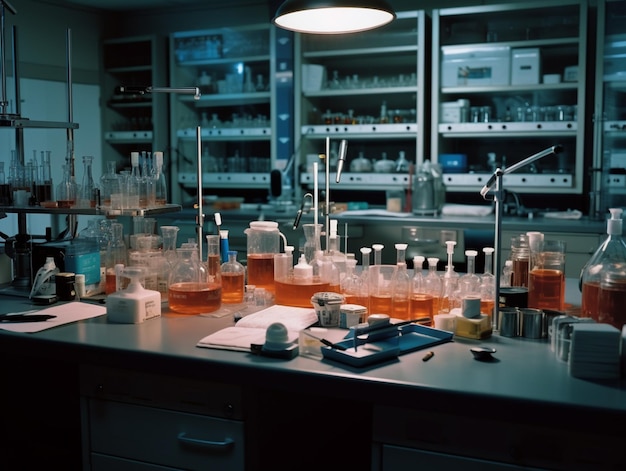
[[194, 298], [232, 288], [520, 273], [421, 307], [111, 283], [486, 307], [546, 289], [289, 293], [380, 304], [261, 271], [400, 309], [611, 304], [590, 300]]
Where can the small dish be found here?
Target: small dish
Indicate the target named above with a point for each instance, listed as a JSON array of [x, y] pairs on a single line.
[[482, 353]]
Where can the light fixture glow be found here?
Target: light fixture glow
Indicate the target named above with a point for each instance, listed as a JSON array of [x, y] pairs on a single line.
[[333, 16]]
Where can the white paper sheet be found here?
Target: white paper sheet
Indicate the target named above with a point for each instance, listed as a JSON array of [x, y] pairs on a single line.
[[65, 314], [252, 328]]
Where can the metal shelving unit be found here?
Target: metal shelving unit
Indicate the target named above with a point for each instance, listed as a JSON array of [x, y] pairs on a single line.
[[609, 180], [526, 64], [233, 67], [369, 88]]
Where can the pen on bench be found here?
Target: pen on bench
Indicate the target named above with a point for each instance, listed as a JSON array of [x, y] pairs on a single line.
[[366, 328], [330, 344], [428, 356]]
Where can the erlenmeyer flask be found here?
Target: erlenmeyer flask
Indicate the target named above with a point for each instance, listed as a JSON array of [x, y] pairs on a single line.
[[67, 189], [169, 235], [88, 190], [189, 290]]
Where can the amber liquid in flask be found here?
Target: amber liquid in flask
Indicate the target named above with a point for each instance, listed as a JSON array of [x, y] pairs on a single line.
[[194, 298]]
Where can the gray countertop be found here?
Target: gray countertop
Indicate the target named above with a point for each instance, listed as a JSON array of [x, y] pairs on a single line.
[[524, 369]]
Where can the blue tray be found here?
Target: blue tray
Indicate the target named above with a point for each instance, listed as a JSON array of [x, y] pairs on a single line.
[[378, 347]]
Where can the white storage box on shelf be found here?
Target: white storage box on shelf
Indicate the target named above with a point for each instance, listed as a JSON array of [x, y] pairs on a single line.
[[471, 66], [455, 111], [313, 77], [525, 65]]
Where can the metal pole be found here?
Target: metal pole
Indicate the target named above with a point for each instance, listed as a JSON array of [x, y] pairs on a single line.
[[200, 216]]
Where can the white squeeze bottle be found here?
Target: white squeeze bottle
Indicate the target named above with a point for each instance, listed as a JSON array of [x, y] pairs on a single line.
[[134, 304], [43, 284]]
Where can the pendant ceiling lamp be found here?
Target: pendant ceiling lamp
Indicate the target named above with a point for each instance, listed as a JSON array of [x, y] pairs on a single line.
[[333, 16]]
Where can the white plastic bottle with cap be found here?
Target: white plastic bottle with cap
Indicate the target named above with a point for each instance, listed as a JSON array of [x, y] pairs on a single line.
[[302, 272], [134, 304], [43, 284]]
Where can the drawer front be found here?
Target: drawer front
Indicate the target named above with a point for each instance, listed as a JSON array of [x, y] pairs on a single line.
[[163, 437], [161, 391], [394, 458], [107, 463]]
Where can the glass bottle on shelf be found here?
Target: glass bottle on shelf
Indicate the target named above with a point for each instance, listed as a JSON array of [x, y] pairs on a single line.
[[133, 182], [44, 186], [88, 190], [116, 257], [5, 188], [67, 189], [160, 185], [110, 185], [146, 182], [611, 253], [233, 279]]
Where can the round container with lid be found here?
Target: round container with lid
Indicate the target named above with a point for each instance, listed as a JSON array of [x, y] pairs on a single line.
[[327, 306]]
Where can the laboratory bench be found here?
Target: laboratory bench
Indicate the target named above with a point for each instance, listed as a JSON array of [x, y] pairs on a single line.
[[95, 395]]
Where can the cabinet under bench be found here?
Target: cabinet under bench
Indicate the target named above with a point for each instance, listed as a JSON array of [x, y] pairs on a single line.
[[141, 421]]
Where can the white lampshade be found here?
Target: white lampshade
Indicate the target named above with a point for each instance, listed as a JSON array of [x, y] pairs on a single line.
[[333, 16]]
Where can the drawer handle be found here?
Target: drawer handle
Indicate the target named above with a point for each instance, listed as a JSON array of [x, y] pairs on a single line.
[[225, 445]]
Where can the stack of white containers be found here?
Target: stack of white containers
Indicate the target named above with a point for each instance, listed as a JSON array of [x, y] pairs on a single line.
[[595, 351]]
